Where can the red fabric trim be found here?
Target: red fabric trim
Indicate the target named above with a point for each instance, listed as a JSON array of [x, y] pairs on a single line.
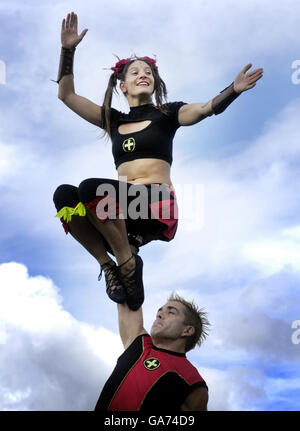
[[65, 224], [91, 205], [109, 209], [166, 212], [171, 228]]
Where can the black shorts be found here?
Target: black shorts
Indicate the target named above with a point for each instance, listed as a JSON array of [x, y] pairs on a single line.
[[149, 210]]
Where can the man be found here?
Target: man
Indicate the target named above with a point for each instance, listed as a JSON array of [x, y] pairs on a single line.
[[153, 373]]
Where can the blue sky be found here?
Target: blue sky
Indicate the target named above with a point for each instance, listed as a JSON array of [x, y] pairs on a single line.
[[240, 259]]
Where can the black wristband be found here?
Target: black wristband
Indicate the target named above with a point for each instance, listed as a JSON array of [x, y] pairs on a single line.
[[223, 100], [65, 63]]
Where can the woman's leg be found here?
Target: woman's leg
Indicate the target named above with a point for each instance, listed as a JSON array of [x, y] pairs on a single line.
[[105, 207], [90, 238], [115, 233], [87, 231], [80, 227], [114, 229], [87, 235]]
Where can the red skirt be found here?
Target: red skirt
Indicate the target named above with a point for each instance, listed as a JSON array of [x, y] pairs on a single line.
[[148, 209]]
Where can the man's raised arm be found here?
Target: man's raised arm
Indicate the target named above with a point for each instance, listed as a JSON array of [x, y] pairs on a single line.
[[130, 324]]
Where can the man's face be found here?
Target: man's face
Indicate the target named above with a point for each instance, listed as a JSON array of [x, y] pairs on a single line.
[[169, 322]]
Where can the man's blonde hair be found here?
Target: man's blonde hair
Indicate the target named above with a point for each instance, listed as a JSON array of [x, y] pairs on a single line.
[[195, 317]]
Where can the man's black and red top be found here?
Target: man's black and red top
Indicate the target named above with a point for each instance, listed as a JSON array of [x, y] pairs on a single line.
[[148, 378]]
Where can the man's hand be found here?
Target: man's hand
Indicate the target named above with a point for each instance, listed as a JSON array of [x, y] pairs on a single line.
[[244, 81]]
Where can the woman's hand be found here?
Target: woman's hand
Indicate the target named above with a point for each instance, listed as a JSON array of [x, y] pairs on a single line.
[[244, 81], [69, 34]]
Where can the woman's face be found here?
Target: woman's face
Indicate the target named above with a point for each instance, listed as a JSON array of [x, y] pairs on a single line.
[[139, 81]]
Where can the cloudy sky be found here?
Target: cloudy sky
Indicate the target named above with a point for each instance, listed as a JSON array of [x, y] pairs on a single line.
[[236, 251]]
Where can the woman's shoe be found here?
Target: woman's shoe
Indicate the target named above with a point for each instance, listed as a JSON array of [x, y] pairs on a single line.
[[114, 286], [133, 283]]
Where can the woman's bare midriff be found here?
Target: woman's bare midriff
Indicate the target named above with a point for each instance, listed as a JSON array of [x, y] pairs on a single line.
[[145, 171]]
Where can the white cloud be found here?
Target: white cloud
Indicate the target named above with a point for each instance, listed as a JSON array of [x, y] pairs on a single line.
[[8, 157], [275, 254], [49, 360], [236, 388]]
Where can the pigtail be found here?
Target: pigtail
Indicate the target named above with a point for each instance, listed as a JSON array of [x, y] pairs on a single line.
[[160, 93], [106, 106]]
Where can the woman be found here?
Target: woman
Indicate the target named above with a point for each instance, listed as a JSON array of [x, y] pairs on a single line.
[[142, 150]]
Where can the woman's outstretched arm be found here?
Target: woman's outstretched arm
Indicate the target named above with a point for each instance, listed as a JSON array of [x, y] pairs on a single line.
[[195, 112], [65, 79]]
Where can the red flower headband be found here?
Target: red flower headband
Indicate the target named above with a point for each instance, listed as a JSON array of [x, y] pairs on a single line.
[[119, 66]]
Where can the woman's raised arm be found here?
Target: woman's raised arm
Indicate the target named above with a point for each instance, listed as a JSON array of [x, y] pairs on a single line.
[[65, 79]]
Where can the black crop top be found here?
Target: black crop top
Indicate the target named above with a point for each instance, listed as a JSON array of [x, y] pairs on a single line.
[[154, 141]]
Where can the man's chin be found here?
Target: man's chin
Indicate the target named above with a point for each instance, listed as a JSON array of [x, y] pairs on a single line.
[[154, 331]]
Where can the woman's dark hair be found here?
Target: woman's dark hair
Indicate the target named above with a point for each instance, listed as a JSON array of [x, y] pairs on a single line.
[[160, 91]]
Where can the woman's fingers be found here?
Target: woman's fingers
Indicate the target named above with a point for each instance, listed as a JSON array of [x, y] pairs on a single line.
[[75, 22], [254, 79], [253, 72], [247, 67], [67, 21], [83, 33], [70, 30], [256, 72], [71, 20], [255, 76]]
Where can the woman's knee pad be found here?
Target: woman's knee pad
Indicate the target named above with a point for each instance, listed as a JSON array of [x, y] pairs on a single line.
[[87, 189], [65, 195]]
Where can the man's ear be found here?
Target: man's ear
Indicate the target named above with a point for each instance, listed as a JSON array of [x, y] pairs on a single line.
[[188, 331], [123, 87]]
